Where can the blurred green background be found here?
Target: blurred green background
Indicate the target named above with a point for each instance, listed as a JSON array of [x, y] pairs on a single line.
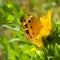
[[13, 43]]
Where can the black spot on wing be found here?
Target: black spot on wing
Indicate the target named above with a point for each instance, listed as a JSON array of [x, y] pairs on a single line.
[[31, 26], [27, 31], [29, 21], [30, 36], [24, 20], [33, 33], [26, 25]]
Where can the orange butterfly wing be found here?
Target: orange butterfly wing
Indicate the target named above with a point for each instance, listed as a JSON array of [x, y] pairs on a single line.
[[31, 26]]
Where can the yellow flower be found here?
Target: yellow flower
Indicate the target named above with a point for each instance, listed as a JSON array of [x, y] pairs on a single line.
[[45, 30], [38, 41], [46, 24]]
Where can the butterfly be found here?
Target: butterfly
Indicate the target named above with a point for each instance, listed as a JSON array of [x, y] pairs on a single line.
[[35, 29]]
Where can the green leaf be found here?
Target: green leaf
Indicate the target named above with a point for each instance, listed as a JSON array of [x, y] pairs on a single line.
[[57, 49]]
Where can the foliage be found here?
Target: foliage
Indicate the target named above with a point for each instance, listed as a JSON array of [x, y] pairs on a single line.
[[13, 43]]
